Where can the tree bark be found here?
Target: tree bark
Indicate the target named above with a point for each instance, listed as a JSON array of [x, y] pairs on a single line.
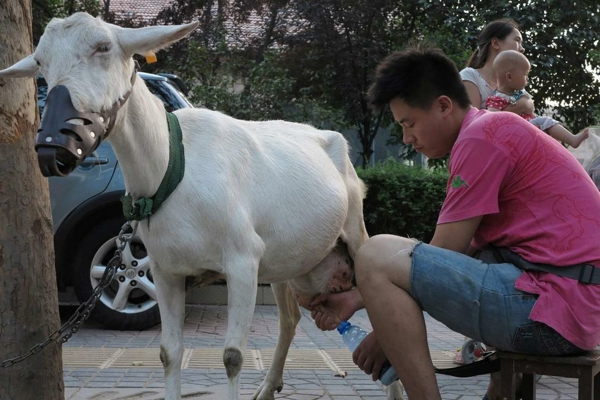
[[28, 292]]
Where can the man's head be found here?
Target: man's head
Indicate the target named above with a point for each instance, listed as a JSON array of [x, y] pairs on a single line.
[[426, 95], [511, 68], [418, 75]]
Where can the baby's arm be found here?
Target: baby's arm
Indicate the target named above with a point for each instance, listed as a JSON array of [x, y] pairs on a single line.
[[523, 106]]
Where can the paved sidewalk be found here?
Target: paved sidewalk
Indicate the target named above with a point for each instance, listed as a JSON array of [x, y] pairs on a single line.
[[102, 364]]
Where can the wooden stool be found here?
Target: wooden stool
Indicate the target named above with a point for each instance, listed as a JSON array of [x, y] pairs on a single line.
[[584, 367]]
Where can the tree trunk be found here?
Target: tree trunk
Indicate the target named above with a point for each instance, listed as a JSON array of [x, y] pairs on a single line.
[[106, 10], [28, 294]]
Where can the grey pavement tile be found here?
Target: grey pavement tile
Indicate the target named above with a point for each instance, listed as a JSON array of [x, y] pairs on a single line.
[[130, 385], [134, 379], [318, 391], [139, 374], [344, 397], [82, 369], [299, 396], [83, 374], [196, 386], [73, 383], [105, 379], [341, 391], [450, 396], [96, 384], [365, 387], [206, 326], [333, 383]]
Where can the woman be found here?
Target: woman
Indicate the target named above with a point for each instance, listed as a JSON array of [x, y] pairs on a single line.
[[479, 77]]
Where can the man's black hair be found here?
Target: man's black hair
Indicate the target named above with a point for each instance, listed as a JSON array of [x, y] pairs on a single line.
[[418, 75]]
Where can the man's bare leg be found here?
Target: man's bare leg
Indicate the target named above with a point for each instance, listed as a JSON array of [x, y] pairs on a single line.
[[383, 267]]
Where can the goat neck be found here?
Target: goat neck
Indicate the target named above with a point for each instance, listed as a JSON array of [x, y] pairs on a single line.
[[141, 142]]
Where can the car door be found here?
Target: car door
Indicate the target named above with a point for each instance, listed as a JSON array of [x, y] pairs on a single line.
[[88, 180]]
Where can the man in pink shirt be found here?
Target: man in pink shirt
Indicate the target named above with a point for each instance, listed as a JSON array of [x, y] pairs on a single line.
[[510, 186]]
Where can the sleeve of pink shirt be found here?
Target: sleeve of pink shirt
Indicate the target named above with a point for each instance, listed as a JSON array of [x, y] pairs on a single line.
[[477, 171]]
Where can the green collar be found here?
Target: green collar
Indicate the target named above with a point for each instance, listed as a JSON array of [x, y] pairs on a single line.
[[144, 207]]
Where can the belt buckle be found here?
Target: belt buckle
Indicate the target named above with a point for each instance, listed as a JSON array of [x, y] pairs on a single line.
[[586, 274]]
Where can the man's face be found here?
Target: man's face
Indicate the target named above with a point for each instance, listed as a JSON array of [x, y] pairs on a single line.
[[429, 131]]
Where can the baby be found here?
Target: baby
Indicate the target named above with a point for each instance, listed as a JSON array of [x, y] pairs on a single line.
[[512, 68]]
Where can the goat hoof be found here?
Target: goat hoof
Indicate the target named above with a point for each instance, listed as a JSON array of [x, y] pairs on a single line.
[[266, 391]]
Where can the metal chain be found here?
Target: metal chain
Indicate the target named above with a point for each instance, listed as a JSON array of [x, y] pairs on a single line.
[[84, 311]]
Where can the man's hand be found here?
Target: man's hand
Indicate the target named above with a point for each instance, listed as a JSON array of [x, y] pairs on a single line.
[[330, 310], [369, 356]]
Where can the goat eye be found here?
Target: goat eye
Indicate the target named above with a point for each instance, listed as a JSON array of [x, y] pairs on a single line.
[[103, 48]]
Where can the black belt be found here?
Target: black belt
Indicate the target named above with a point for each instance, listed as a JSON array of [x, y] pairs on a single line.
[[584, 273]]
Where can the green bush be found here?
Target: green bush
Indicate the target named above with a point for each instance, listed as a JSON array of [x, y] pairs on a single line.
[[402, 200]]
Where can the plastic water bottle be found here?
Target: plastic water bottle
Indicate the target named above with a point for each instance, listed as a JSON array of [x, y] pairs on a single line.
[[352, 336]]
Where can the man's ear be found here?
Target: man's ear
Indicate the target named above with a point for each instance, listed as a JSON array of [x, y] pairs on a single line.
[[445, 104]]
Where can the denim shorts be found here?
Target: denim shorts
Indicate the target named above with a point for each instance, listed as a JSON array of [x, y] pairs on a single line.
[[480, 301]]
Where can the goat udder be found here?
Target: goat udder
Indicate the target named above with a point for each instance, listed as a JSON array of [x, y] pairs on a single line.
[[332, 275]]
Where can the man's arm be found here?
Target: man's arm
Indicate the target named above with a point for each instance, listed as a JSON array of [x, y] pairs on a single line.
[[457, 235]]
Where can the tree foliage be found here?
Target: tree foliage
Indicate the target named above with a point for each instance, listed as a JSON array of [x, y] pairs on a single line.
[[560, 39], [313, 60], [44, 10]]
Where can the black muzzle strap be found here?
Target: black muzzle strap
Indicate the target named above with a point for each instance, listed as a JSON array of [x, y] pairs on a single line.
[[112, 113]]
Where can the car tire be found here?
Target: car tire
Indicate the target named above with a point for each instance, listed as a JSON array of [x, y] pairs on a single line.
[[128, 302]]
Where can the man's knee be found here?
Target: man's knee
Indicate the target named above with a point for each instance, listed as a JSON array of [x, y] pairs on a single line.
[[383, 254]]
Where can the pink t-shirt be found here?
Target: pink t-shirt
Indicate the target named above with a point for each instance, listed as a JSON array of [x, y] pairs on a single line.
[[538, 201]]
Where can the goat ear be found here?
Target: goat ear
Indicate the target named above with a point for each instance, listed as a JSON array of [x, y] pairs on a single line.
[[144, 40], [25, 68]]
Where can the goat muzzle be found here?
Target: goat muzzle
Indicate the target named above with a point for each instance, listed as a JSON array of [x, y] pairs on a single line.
[[66, 136]]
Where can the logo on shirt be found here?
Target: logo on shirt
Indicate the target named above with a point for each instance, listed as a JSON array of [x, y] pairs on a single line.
[[457, 182]]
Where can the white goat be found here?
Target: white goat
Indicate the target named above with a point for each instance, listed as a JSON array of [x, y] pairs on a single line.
[[259, 202]]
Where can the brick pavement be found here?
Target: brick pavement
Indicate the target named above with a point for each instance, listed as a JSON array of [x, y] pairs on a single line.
[[103, 364]]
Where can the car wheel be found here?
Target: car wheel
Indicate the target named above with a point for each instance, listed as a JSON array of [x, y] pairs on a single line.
[[129, 301]]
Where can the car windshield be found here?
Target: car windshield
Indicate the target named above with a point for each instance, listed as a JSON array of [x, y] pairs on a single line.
[[171, 97]]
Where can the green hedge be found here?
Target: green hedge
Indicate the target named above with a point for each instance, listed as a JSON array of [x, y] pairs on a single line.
[[402, 200]]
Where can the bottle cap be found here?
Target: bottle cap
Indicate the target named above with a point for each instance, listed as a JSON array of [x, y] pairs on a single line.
[[343, 326]]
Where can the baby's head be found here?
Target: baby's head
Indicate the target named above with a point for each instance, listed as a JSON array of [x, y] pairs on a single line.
[[511, 69]]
